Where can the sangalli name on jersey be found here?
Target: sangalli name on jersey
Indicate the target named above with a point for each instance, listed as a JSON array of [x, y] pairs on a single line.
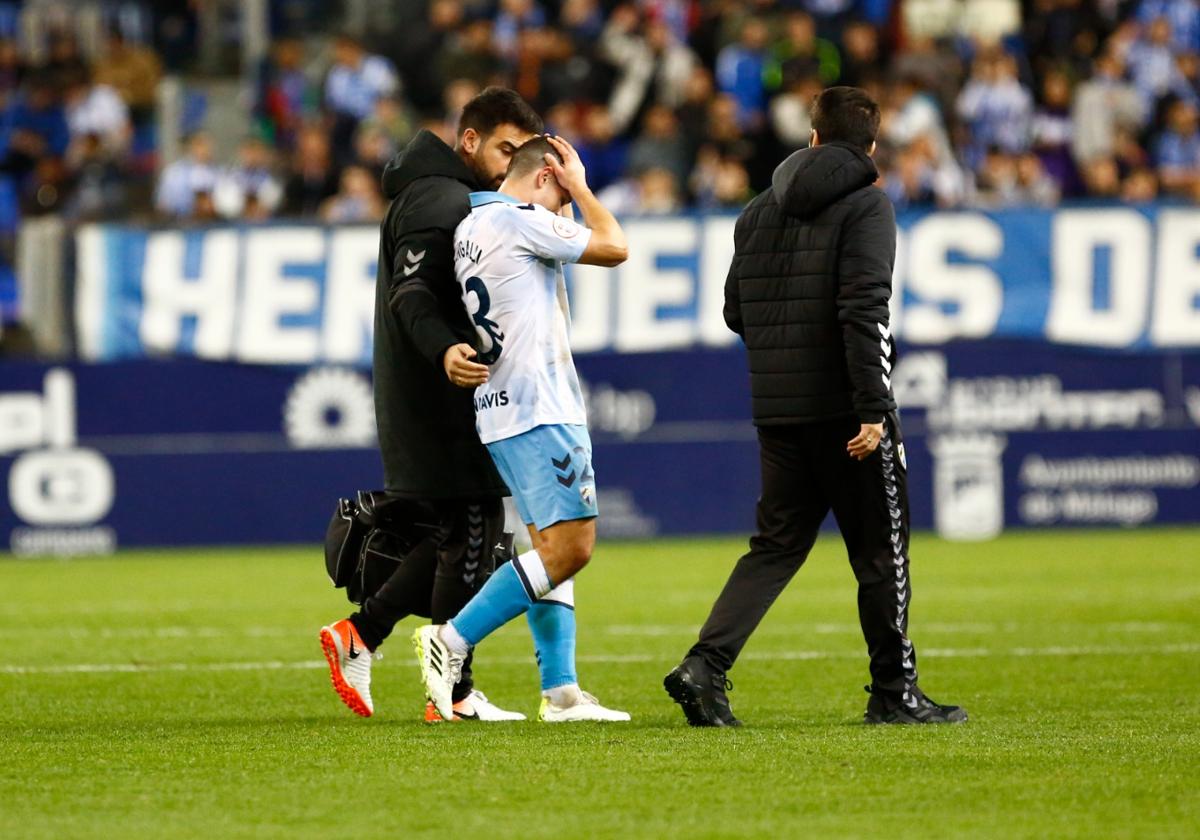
[[468, 250]]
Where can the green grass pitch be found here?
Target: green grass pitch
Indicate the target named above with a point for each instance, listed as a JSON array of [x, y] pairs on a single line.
[[182, 694]]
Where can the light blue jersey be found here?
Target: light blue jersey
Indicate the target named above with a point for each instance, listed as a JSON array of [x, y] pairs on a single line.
[[508, 260]]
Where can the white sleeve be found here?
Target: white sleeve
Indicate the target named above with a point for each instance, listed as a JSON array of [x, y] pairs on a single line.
[[548, 236]]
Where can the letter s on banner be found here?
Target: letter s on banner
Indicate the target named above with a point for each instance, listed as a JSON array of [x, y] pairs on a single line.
[[973, 292], [1074, 318]]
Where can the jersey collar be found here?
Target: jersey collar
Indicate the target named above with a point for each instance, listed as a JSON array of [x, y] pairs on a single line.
[[478, 199]]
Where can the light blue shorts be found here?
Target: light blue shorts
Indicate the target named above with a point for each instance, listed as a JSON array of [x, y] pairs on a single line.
[[549, 471]]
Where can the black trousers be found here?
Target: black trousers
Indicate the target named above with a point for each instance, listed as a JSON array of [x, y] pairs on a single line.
[[439, 575], [806, 472]]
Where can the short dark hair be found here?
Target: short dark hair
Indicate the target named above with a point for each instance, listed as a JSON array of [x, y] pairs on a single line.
[[531, 156], [847, 114], [497, 106]]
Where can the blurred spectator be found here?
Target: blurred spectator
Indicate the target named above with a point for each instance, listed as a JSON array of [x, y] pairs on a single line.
[[248, 189], [183, 180], [99, 188], [861, 56], [1102, 105], [1050, 132], [654, 67], [658, 146], [37, 126], [801, 54], [12, 68], [63, 58], [354, 83], [720, 181], [472, 55], [693, 111], [286, 96], [1182, 18], [1034, 185], [583, 20], [790, 112], [651, 192], [312, 177], [1139, 186], [94, 108], [995, 107], [357, 200], [1152, 65], [739, 72], [133, 72], [515, 16], [1177, 151], [602, 152]]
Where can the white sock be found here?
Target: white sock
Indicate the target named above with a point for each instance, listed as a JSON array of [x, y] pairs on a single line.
[[564, 593], [454, 640], [533, 574], [564, 695]]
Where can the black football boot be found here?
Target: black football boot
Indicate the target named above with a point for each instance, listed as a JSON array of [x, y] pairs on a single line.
[[910, 706], [700, 692]]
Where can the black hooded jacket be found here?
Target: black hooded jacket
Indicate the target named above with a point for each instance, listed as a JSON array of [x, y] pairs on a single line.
[[809, 286], [426, 425]]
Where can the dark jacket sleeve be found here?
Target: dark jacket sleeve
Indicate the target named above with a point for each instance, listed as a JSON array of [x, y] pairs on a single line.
[[733, 301], [422, 291], [865, 257]]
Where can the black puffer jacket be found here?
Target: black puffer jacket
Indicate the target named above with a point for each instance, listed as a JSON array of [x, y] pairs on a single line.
[[809, 286], [426, 424]]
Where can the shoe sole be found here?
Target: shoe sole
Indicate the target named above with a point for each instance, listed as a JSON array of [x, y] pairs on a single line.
[[419, 649], [908, 721], [677, 689], [344, 690]]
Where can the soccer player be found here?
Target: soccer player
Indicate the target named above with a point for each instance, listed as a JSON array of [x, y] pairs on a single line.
[[431, 453], [529, 408]]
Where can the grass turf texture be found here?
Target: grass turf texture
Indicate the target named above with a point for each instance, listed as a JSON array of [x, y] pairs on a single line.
[[1074, 652]]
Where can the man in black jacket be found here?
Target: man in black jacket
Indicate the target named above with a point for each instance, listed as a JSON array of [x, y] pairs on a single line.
[[808, 292], [431, 452]]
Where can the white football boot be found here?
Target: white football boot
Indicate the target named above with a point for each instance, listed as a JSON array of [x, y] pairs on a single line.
[[475, 706], [349, 666], [441, 668], [577, 705]]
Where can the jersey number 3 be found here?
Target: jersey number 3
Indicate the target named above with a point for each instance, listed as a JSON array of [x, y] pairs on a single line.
[[488, 330]]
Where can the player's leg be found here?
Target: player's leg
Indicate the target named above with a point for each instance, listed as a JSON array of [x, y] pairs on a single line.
[[790, 510], [514, 587], [870, 501], [552, 626]]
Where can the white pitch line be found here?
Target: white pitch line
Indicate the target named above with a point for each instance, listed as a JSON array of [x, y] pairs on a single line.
[[634, 658]]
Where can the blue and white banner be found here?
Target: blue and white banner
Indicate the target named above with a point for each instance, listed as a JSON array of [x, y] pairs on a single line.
[[998, 435], [1113, 277]]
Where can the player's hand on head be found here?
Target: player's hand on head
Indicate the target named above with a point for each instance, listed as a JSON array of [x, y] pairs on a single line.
[[461, 370], [570, 173], [866, 441]]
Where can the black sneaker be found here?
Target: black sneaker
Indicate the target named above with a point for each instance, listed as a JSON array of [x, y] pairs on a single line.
[[700, 692], [911, 706]]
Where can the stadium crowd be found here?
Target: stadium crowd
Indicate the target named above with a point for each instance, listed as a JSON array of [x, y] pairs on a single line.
[[673, 104]]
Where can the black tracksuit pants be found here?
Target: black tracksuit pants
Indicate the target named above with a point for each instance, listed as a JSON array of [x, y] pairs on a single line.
[[439, 575], [806, 472]]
